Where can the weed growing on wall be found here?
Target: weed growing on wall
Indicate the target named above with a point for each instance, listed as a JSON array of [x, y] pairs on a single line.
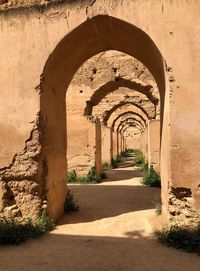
[[181, 238], [106, 166], [13, 232], [139, 158], [151, 178], [72, 176], [70, 205], [158, 206], [91, 177]]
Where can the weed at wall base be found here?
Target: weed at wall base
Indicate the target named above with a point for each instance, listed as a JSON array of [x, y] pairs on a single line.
[[158, 206], [151, 178], [91, 177], [106, 166], [70, 205], [12, 232], [181, 238]]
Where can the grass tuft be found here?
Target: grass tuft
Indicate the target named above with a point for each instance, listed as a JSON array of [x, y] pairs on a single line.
[[181, 238], [91, 177], [151, 178], [70, 205], [12, 232]]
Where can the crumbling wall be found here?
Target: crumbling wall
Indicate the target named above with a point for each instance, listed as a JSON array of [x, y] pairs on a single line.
[[81, 144], [24, 60], [23, 183], [124, 95]]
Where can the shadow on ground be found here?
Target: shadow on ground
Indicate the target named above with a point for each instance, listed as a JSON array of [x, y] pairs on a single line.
[[59, 252], [120, 174], [103, 201]]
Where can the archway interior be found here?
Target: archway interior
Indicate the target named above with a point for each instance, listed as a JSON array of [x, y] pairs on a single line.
[[101, 33]]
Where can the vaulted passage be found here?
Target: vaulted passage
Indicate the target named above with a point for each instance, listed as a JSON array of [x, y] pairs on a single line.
[[99, 104], [56, 80]]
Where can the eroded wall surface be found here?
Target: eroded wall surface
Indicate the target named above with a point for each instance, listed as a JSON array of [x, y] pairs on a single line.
[[154, 144], [106, 144], [29, 36]]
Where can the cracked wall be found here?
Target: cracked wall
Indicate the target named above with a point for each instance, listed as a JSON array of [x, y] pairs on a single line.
[[23, 63]]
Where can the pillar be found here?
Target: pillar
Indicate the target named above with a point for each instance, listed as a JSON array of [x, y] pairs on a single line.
[[106, 144], [114, 144], [98, 156], [154, 144]]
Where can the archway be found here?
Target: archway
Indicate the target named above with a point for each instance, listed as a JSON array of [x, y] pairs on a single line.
[[107, 114], [126, 113], [130, 124], [129, 120], [111, 86], [97, 34]]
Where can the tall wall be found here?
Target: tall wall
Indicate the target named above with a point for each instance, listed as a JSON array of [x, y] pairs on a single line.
[[106, 144], [114, 145], [154, 144], [82, 143], [132, 142], [28, 38], [144, 143], [98, 147]]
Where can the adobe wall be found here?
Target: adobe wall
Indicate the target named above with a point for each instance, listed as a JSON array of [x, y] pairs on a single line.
[[154, 144], [106, 144], [133, 142], [144, 143], [81, 144], [29, 36], [114, 145], [94, 73]]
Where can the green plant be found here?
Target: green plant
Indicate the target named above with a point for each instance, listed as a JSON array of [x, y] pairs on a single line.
[[119, 159], [82, 180], [125, 153], [158, 206], [130, 150], [70, 205], [72, 176], [181, 238], [13, 232], [139, 159], [106, 166], [151, 178], [145, 166], [114, 163], [91, 177]]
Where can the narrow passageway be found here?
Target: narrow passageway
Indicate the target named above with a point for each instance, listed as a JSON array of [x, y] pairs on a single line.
[[111, 231], [115, 207]]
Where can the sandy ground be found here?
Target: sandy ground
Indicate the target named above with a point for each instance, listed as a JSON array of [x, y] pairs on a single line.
[[110, 232]]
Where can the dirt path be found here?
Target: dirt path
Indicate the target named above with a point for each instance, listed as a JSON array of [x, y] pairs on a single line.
[[110, 232]]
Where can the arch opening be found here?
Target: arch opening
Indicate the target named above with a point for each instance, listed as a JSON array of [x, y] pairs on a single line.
[[98, 34]]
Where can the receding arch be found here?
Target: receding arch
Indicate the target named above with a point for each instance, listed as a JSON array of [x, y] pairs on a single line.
[[93, 36], [128, 113], [112, 86], [130, 120], [108, 113], [127, 126], [130, 123]]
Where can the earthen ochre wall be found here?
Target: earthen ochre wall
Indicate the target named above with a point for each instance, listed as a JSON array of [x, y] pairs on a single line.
[[28, 38]]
